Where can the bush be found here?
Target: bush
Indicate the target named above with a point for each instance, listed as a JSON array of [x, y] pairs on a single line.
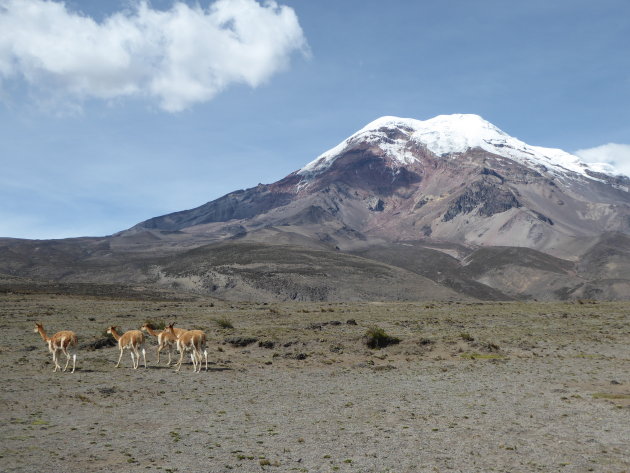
[[155, 325], [240, 341], [104, 342], [223, 322], [377, 338], [467, 337]]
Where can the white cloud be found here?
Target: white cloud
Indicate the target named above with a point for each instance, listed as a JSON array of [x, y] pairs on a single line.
[[611, 154], [181, 56]]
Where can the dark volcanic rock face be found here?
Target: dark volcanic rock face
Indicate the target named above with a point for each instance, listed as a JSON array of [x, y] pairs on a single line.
[[490, 199], [239, 205], [363, 169]]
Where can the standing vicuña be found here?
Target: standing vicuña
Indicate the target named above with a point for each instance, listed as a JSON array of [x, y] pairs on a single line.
[[133, 340], [193, 341], [165, 338], [60, 342]]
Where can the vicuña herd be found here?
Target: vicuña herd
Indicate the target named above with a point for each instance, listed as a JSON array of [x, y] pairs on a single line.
[[185, 341]]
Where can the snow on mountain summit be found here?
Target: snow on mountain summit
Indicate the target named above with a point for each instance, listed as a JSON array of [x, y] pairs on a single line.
[[449, 135]]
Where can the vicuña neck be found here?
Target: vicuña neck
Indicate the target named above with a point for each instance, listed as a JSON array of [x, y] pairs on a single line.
[[42, 332], [151, 331], [114, 333]]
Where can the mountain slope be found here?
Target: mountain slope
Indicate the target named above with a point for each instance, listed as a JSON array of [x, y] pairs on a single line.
[[252, 271], [434, 264]]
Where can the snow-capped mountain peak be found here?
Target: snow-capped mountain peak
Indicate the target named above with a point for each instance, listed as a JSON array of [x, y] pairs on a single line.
[[448, 136]]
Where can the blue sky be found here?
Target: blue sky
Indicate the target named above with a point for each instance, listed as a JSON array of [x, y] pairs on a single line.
[[98, 133]]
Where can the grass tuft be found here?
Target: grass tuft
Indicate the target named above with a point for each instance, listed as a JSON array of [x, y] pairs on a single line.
[[155, 324], [377, 338], [223, 322], [481, 356], [611, 396]]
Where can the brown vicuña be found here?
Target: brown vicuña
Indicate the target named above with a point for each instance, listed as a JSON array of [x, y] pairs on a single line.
[[165, 339], [60, 342], [133, 340], [193, 341]]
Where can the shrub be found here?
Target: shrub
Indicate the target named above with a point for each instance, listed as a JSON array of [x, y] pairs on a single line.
[[491, 346], [376, 337], [155, 325], [223, 322], [105, 341], [586, 301], [467, 337], [240, 341], [482, 356]]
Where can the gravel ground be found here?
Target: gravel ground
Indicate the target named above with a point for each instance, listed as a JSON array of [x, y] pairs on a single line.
[[560, 402]]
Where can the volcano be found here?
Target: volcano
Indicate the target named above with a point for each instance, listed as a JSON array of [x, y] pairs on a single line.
[[452, 202], [453, 178]]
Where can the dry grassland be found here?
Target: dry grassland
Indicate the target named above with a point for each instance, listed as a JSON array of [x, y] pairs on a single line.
[[471, 387]]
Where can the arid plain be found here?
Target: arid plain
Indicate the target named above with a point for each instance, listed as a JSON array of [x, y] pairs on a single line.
[[471, 387]]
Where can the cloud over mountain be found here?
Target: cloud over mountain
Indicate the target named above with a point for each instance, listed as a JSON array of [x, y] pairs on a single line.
[[178, 57], [614, 154]]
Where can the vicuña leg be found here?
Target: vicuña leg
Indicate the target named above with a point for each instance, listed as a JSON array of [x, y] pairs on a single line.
[[181, 358], [55, 354], [144, 357], [170, 350], [65, 352], [119, 358], [74, 362], [68, 356]]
